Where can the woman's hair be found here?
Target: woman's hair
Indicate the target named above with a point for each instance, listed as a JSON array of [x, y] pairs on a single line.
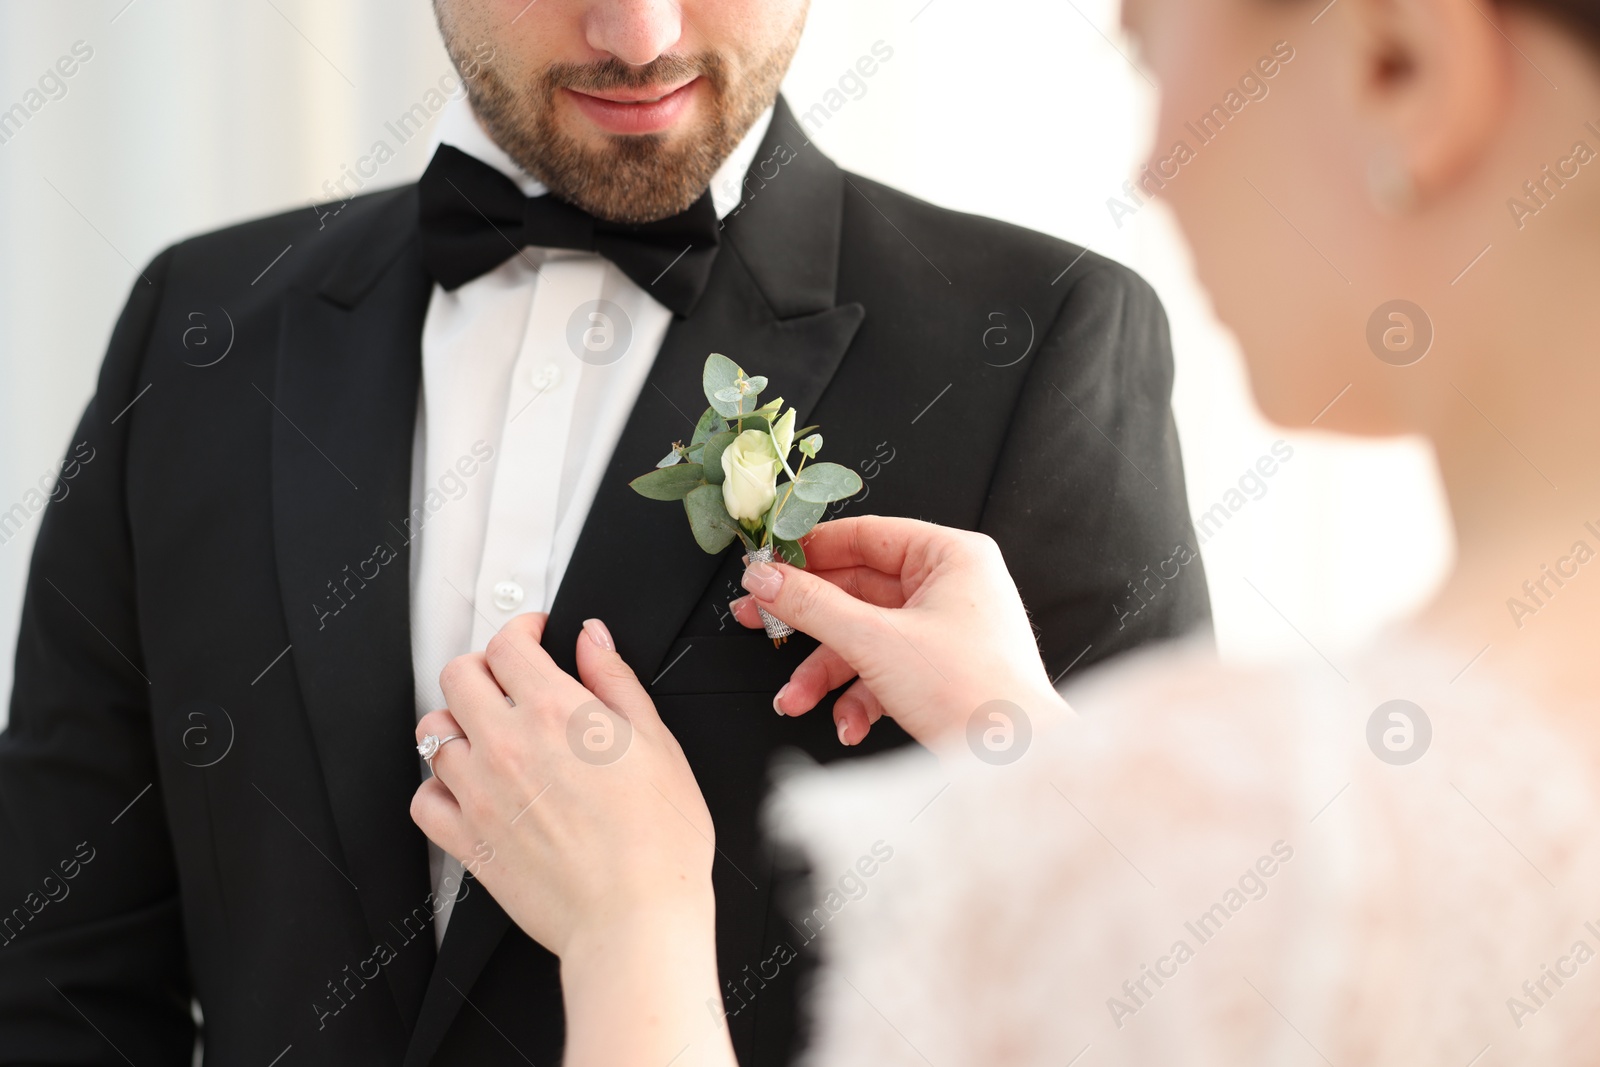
[[1580, 15]]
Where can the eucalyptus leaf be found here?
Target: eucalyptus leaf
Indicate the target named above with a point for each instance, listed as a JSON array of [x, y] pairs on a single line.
[[713, 528], [791, 517], [712, 459], [669, 483], [709, 424], [791, 552], [810, 446], [721, 373], [670, 459], [823, 483], [743, 389]]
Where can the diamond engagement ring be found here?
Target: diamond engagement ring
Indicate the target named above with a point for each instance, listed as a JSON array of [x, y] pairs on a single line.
[[432, 744]]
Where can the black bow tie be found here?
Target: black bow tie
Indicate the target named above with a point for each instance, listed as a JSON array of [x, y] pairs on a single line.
[[474, 218]]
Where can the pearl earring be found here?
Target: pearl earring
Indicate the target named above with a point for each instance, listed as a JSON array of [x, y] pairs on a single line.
[[1390, 184]]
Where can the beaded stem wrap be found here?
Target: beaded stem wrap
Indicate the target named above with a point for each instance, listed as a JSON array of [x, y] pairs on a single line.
[[777, 629]]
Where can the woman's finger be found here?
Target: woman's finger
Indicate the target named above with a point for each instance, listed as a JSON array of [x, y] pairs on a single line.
[[815, 606], [606, 675], [818, 675], [437, 814], [878, 541], [867, 583], [520, 665], [854, 713], [449, 757], [745, 612], [441, 722], [863, 583], [471, 692]]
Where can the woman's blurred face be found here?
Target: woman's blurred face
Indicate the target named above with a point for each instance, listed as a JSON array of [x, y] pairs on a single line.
[[1257, 147], [1275, 117]]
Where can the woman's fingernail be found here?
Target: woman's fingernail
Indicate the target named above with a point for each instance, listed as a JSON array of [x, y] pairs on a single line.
[[599, 634], [843, 740], [775, 700], [764, 580], [735, 604]]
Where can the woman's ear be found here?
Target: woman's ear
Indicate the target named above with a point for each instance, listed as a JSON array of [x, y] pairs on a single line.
[[1434, 79]]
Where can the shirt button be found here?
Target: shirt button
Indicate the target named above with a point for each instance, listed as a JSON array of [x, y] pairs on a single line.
[[507, 595], [547, 377]]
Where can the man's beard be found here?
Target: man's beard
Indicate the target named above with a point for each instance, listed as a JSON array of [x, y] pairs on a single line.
[[631, 178]]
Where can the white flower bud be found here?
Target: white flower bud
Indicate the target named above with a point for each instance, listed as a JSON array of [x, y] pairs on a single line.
[[750, 475]]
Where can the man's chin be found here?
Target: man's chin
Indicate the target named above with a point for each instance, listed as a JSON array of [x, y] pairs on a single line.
[[572, 146], [631, 180], [599, 145]]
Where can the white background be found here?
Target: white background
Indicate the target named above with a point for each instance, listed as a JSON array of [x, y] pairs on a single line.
[[194, 114]]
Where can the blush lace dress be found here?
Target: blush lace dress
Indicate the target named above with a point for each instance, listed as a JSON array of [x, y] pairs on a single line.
[[1218, 865]]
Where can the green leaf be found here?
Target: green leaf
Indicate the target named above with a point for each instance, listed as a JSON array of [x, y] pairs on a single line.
[[670, 459], [709, 424], [770, 408], [810, 446], [756, 422], [783, 435], [791, 518], [669, 483], [791, 551], [823, 483], [802, 431], [712, 459], [721, 373], [713, 528], [743, 389]]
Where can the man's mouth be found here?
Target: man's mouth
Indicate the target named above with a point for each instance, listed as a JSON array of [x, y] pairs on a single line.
[[650, 109]]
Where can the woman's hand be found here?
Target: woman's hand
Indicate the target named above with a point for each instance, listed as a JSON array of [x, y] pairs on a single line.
[[583, 795], [574, 806], [925, 618]]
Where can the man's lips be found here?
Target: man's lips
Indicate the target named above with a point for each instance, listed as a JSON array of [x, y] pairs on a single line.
[[635, 111]]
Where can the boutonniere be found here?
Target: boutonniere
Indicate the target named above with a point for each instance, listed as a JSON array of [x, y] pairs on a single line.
[[728, 475]]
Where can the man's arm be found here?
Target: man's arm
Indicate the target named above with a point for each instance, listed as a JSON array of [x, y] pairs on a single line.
[[92, 957], [1088, 500]]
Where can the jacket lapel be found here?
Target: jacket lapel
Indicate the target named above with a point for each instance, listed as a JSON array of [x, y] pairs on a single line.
[[636, 564], [345, 398], [769, 307]]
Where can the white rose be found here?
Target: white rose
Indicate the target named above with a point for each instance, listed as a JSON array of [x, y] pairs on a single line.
[[750, 475]]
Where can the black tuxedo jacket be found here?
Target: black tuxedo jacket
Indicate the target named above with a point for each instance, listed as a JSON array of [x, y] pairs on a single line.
[[205, 781]]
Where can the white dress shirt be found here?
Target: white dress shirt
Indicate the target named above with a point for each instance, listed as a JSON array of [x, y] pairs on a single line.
[[528, 374]]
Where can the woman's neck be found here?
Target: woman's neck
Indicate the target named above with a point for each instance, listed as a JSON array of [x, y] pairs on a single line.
[[1518, 441]]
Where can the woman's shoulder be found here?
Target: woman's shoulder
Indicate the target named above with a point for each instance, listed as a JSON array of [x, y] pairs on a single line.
[[1207, 849], [1385, 759], [1400, 711]]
